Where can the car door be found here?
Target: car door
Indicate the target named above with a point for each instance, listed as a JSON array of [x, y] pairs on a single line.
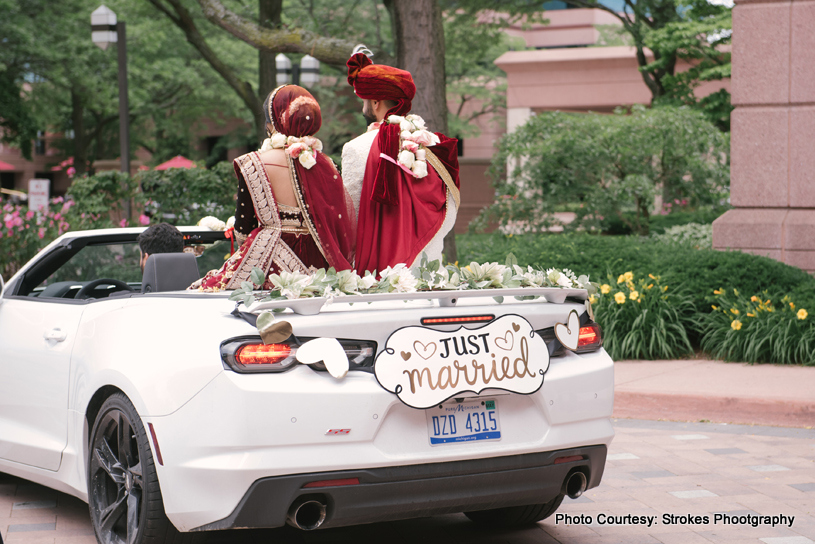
[[36, 338]]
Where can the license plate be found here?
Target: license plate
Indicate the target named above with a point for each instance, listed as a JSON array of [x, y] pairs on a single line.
[[466, 421]]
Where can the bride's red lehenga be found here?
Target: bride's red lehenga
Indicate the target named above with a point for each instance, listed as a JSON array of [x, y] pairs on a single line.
[[318, 233]]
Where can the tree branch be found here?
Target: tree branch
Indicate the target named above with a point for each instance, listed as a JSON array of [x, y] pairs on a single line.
[[328, 50], [184, 21]]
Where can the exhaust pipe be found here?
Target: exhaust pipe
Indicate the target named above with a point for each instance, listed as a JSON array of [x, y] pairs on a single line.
[[575, 484], [306, 515]]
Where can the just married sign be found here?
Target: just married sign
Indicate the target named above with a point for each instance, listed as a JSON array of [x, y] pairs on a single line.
[[425, 367]]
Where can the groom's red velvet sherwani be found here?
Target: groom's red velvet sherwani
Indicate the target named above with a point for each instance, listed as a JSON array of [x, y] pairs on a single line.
[[400, 215]]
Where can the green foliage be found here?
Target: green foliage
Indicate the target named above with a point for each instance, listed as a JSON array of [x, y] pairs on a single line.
[[644, 319], [697, 271], [757, 330], [675, 31], [182, 196], [695, 235], [697, 38], [474, 39], [103, 193], [612, 165]]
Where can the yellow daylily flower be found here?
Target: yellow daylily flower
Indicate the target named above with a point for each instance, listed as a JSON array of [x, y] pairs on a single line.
[[802, 314], [754, 299], [619, 298], [714, 306], [792, 306], [620, 279], [718, 292], [605, 288], [629, 276], [735, 325], [735, 311], [592, 299], [634, 295], [652, 276], [750, 315], [665, 289]]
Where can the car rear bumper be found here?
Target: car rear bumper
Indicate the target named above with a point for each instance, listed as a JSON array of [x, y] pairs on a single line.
[[401, 492]]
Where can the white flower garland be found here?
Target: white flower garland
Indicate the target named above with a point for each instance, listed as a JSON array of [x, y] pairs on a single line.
[[304, 149], [430, 276], [412, 139]]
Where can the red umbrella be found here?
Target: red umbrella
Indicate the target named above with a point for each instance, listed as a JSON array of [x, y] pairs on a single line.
[[176, 162], [6, 166]]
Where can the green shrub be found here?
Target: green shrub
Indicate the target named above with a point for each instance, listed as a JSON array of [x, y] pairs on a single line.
[[697, 271], [182, 196], [695, 235], [757, 330], [610, 166], [644, 319]]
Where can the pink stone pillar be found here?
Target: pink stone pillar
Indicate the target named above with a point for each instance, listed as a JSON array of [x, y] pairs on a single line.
[[773, 133]]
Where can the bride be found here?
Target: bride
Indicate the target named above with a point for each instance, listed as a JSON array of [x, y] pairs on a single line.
[[293, 213]]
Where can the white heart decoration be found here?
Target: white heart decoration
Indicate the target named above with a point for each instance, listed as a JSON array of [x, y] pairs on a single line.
[[568, 334], [327, 350]]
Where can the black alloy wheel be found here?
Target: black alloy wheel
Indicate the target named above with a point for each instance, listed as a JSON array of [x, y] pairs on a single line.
[[123, 491]]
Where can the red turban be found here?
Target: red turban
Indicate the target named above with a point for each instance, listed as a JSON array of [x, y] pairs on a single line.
[[380, 82]]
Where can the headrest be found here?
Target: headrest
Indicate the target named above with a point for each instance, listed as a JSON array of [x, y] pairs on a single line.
[[169, 272]]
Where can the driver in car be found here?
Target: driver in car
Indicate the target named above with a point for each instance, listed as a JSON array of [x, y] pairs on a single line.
[[160, 238]]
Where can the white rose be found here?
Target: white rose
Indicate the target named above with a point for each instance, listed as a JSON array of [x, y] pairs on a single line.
[[212, 223], [564, 281], [366, 282], [266, 146], [407, 158], [278, 140], [421, 155], [406, 125], [395, 119], [419, 169], [307, 160], [230, 222], [405, 135], [417, 121]]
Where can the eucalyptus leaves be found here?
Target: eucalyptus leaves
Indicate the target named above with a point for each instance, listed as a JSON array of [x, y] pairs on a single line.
[[429, 276]]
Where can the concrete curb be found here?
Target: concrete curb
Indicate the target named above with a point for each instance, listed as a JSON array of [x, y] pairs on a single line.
[[721, 409]]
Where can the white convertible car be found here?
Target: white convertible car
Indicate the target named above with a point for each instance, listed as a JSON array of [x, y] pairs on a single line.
[[165, 410]]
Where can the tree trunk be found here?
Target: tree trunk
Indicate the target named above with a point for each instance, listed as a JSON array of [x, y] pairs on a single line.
[[418, 32], [270, 17]]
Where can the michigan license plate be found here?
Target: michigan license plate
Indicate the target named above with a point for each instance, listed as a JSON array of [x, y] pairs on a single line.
[[466, 421]]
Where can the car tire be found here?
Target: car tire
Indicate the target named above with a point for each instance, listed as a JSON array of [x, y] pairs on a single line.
[[123, 489], [515, 516]]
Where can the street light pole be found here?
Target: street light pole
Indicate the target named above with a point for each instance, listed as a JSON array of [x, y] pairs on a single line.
[[104, 31], [124, 108]]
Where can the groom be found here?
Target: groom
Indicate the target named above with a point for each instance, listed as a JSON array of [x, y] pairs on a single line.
[[403, 179]]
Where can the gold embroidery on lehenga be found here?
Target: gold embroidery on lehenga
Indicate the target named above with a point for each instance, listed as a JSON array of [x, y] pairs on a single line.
[[267, 247]]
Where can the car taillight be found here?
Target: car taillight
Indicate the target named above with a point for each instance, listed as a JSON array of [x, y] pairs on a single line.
[[262, 354], [248, 354], [590, 338]]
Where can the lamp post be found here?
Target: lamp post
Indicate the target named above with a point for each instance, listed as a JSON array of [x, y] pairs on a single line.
[[105, 30], [306, 72]]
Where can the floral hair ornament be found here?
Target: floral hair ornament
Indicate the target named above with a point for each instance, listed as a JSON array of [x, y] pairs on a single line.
[[413, 138]]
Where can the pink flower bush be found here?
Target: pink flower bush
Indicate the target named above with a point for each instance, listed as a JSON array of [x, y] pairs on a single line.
[[144, 220]]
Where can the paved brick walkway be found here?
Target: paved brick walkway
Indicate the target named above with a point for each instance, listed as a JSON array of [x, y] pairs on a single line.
[[654, 468]]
